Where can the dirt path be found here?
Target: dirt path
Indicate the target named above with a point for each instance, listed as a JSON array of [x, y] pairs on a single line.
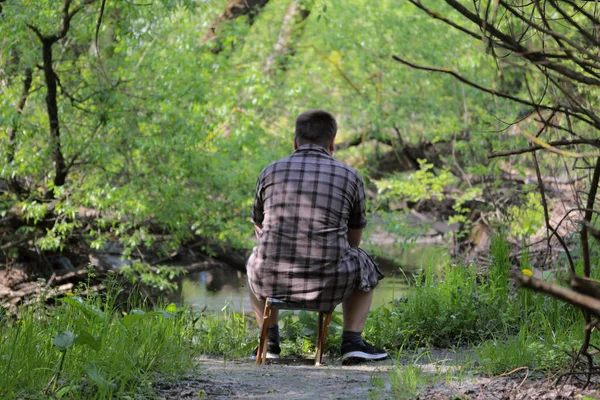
[[299, 380], [287, 379]]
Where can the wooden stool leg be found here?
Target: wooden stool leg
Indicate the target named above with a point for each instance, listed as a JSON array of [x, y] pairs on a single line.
[[322, 337], [319, 349], [326, 327], [261, 354]]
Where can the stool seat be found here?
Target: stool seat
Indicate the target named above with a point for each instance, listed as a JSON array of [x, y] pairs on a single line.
[[322, 327]]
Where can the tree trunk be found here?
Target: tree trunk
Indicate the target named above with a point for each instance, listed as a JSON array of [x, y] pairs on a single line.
[[233, 10], [292, 28], [60, 166]]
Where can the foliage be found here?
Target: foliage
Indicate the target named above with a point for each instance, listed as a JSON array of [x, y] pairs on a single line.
[[299, 332], [422, 184], [160, 277], [462, 210], [528, 218], [87, 347], [175, 147]]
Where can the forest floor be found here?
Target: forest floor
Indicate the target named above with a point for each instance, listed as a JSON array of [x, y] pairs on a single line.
[[295, 379]]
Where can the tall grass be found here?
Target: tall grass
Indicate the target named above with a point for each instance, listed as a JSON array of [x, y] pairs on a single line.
[[449, 306], [458, 306], [507, 327], [86, 347], [227, 333]]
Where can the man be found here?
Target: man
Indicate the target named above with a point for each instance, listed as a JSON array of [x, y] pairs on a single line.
[[309, 213]]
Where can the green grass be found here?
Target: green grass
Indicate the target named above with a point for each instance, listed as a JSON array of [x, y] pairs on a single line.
[[422, 369], [86, 347], [227, 334], [458, 306]]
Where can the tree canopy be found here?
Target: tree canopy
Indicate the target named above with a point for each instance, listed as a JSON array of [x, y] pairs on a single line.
[[148, 123]]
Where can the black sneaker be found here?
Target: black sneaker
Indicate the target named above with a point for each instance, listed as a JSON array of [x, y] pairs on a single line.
[[353, 353], [273, 351]]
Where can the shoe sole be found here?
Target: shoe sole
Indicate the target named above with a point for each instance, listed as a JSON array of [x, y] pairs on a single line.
[[270, 356], [354, 357]]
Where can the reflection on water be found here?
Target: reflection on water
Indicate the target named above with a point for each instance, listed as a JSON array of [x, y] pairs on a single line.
[[214, 289]]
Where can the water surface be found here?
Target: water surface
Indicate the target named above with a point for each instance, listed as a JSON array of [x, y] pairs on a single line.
[[212, 290]]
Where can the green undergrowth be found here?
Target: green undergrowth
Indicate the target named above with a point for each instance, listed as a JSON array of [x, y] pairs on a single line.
[[501, 327], [234, 335], [458, 306], [227, 333], [88, 347]]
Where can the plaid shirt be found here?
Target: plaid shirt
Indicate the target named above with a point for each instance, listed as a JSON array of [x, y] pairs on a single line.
[[305, 204]]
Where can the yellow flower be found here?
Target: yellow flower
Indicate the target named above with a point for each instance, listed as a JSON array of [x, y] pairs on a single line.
[[527, 272], [69, 294]]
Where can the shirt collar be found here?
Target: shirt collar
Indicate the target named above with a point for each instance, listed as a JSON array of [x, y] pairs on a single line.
[[312, 147]]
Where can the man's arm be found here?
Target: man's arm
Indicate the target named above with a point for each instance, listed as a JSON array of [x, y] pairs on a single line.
[[354, 236], [257, 230]]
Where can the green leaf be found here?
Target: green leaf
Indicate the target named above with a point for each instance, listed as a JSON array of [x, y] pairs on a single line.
[[96, 376], [162, 313], [64, 391], [85, 338], [133, 317], [64, 340], [80, 304]]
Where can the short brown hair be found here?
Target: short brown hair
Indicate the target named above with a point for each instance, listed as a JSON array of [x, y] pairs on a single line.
[[315, 126]]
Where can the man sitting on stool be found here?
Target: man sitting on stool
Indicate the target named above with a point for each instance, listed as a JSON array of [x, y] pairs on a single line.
[[309, 213]]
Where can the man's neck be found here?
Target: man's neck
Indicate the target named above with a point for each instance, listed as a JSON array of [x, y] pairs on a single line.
[[302, 144]]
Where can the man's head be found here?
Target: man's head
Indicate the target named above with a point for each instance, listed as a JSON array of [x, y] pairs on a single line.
[[316, 127]]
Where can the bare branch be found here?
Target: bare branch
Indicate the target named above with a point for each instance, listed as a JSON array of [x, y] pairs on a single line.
[[520, 50], [555, 143], [579, 300], [490, 91], [440, 17], [585, 250], [570, 20]]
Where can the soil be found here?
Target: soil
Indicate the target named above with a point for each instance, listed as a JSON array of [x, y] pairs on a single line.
[[299, 379]]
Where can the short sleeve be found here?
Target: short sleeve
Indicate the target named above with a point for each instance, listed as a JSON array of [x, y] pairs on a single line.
[[257, 208], [358, 214]]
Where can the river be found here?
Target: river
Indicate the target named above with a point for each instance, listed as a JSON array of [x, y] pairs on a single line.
[[215, 289]]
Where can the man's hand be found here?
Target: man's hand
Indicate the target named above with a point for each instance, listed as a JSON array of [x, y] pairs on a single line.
[[354, 236]]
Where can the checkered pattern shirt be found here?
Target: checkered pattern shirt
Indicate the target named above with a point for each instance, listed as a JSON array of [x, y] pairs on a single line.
[[305, 204]]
